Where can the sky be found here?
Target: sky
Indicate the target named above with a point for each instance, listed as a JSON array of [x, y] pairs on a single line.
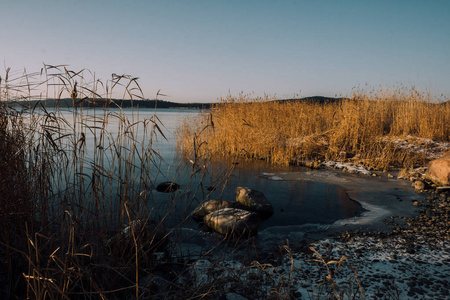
[[199, 51]]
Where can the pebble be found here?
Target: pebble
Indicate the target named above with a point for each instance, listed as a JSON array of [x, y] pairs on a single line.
[[419, 185]]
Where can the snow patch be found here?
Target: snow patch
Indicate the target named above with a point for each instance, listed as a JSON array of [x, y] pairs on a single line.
[[350, 167], [430, 148]]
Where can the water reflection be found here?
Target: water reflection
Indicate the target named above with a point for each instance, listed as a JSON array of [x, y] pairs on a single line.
[[296, 202]]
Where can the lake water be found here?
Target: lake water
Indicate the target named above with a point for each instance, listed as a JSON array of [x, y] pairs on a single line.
[[295, 202], [304, 203]]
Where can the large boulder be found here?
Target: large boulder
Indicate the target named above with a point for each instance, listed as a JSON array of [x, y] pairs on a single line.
[[210, 206], [255, 201], [439, 170], [234, 221], [167, 187]]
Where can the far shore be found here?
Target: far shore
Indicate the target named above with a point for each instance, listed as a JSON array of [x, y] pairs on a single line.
[[153, 103]]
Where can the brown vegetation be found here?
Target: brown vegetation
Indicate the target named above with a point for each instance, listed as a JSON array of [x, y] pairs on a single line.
[[362, 127], [69, 187]]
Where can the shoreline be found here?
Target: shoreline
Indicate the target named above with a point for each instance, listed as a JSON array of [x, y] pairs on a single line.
[[380, 196], [398, 258]]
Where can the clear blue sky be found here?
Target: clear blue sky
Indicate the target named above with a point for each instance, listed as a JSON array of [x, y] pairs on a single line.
[[201, 50]]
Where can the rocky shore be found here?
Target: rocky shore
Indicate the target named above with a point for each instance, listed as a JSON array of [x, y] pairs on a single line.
[[409, 261], [401, 255], [412, 260], [407, 258]]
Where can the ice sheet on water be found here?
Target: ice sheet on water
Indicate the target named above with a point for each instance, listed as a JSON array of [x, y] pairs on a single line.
[[374, 212]]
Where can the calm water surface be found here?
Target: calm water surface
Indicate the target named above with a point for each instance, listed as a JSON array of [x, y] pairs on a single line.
[[295, 202]]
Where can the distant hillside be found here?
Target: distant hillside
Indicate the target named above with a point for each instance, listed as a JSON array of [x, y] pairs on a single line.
[[314, 99], [67, 102], [160, 104]]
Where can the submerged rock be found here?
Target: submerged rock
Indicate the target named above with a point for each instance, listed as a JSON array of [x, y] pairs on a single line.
[[149, 236], [234, 221], [254, 201], [212, 205], [167, 187]]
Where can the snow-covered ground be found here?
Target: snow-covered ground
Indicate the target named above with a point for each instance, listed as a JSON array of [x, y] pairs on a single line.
[[430, 148], [375, 268]]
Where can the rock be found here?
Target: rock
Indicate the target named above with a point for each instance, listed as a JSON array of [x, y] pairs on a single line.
[[442, 189], [167, 187], [233, 296], [352, 171], [439, 170], [234, 221], [419, 185], [255, 201], [410, 250], [150, 237], [210, 188], [416, 203], [212, 205]]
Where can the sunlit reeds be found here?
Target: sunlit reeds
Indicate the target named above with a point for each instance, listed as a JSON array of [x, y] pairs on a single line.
[[292, 132]]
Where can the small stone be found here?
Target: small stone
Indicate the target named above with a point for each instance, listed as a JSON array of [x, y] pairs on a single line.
[[410, 250], [167, 187], [416, 203], [297, 295], [419, 185], [233, 296], [150, 235]]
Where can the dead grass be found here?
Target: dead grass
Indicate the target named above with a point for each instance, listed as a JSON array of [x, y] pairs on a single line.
[[290, 132], [70, 187]]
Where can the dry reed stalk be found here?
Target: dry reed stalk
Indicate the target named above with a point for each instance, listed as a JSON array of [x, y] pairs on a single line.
[[286, 132], [72, 166]]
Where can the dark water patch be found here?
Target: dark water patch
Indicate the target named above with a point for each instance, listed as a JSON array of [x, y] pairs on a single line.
[[296, 202]]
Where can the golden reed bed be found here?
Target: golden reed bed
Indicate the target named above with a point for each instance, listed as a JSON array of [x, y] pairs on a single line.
[[361, 127]]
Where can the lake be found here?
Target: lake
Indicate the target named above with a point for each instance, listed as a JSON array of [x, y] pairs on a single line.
[[308, 202]]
